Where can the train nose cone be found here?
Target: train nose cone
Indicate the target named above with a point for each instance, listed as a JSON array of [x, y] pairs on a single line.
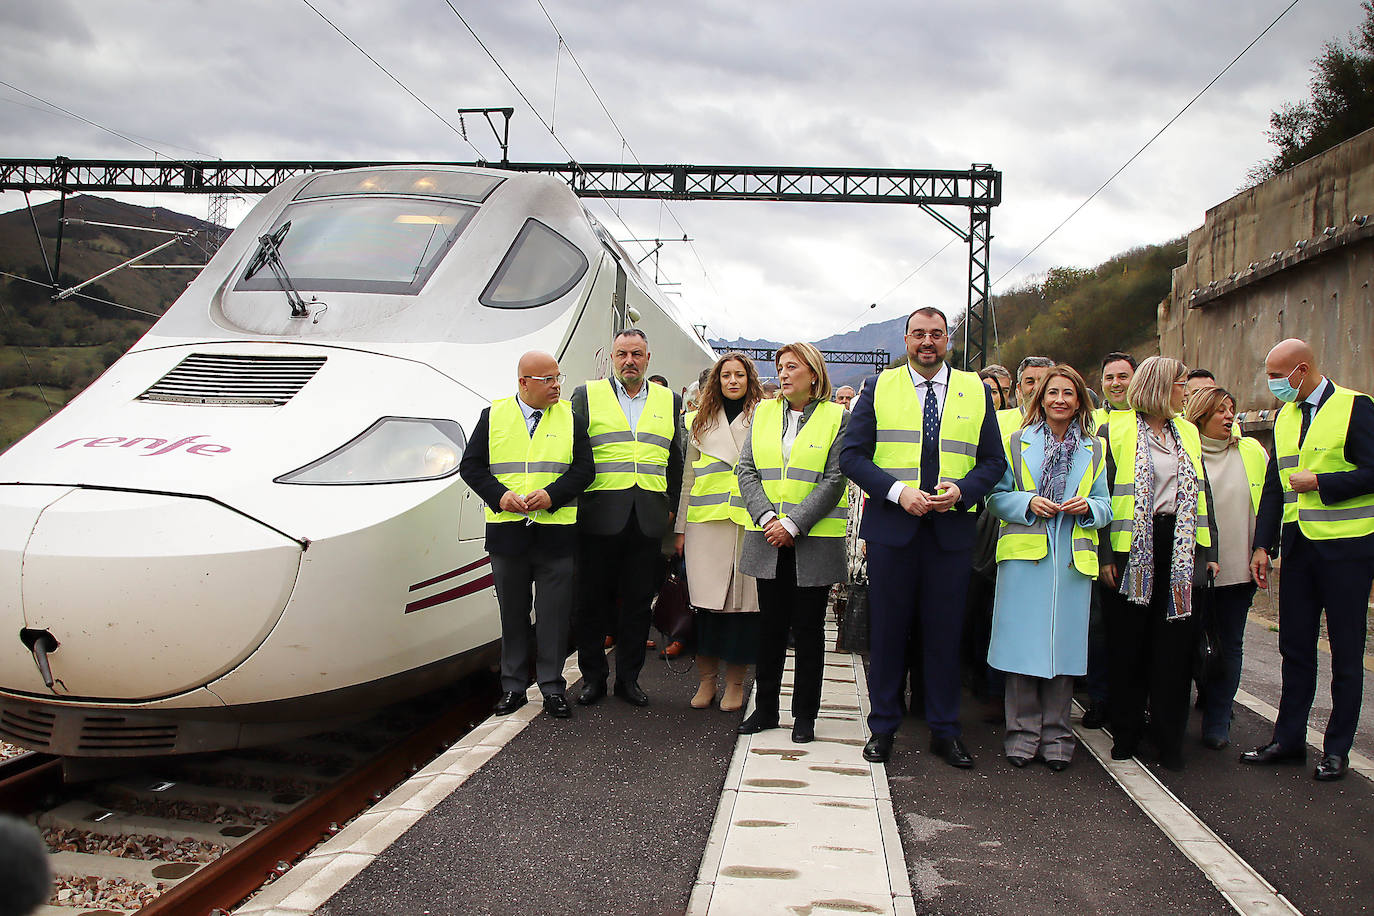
[[146, 595]]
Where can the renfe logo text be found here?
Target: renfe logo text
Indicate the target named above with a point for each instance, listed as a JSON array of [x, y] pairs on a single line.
[[151, 445]]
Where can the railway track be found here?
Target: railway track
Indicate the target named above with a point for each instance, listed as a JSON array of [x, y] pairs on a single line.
[[198, 835]]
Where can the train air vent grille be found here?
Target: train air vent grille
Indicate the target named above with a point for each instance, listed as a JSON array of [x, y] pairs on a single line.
[[238, 381], [27, 726], [109, 733]]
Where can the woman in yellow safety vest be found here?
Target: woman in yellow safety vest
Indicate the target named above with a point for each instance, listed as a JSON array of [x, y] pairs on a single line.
[[1161, 541], [1235, 472], [1051, 500], [710, 531], [795, 506]]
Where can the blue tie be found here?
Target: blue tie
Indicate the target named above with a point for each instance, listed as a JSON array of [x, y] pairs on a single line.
[[535, 416], [930, 440]]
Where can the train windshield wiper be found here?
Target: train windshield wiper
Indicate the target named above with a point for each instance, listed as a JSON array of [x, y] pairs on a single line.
[[269, 255]]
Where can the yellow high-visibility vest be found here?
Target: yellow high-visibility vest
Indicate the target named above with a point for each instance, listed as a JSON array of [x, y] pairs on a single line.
[[524, 463], [1256, 462], [1121, 432], [1323, 451], [630, 458], [897, 408], [1032, 542], [715, 488], [1009, 421], [787, 482]]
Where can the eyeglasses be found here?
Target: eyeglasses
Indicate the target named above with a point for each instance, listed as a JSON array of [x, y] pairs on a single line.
[[546, 379], [935, 336]]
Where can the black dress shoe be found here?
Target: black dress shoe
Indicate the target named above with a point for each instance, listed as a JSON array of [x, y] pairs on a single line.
[[630, 693], [803, 731], [878, 748], [510, 701], [1058, 766], [591, 692], [1018, 761], [556, 705], [1332, 766], [952, 751], [1273, 752], [1121, 751], [1096, 716], [757, 722]]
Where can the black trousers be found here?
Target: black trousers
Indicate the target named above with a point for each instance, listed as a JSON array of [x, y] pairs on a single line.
[[550, 579], [1150, 657], [785, 606], [617, 579], [1312, 583]]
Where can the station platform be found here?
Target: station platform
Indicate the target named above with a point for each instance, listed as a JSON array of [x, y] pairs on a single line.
[[665, 810]]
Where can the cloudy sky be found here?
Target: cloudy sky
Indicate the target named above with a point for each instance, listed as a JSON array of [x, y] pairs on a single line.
[[1055, 94]]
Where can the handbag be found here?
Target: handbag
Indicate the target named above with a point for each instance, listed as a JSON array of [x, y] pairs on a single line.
[[853, 635], [673, 614], [1208, 648]]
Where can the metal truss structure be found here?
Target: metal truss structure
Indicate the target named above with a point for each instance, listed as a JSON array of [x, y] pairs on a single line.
[[879, 359], [978, 189]]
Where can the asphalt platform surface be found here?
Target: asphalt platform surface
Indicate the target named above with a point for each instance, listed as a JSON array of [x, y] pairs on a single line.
[[606, 812]]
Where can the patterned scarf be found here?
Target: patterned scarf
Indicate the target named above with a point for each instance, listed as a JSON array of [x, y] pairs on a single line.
[[1138, 583], [1054, 476]]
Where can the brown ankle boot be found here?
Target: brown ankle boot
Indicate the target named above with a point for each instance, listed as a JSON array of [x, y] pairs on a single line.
[[707, 668], [734, 687]]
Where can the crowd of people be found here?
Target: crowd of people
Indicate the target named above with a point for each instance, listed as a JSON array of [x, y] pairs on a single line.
[[1113, 536]]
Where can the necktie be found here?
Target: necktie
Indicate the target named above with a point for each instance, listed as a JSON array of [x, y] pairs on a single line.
[[930, 440], [534, 420], [1306, 421]]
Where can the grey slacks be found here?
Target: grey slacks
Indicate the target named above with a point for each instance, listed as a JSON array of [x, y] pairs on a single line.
[[1038, 716], [549, 581]]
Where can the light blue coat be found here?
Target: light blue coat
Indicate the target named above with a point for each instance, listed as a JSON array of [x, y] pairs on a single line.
[[1040, 614]]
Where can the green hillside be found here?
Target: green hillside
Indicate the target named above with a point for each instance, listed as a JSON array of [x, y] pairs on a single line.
[[62, 346]]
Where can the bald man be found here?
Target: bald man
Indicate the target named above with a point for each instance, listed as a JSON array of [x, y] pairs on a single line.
[[1318, 510], [528, 458]]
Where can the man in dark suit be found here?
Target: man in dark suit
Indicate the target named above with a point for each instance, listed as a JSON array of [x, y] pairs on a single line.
[[636, 432], [923, 443], [1319, 492], [528, 459]]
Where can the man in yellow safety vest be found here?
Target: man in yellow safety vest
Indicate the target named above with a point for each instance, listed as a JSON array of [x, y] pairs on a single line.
[[1318, 509], [528, 459]]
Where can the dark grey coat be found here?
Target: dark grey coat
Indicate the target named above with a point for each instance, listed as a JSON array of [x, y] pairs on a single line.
[[820, 561]]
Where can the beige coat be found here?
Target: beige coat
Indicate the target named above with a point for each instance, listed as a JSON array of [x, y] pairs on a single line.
[[712, 549]]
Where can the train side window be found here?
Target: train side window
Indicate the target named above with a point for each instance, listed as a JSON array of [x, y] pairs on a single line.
[[540, 266]]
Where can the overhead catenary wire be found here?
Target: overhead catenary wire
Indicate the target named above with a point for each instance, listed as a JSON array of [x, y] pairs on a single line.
[[900, 283], [127, 308], [53, 109], [1146, 145]]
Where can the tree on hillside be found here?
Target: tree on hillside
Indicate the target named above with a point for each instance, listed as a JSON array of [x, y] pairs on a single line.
[[1341, 106]]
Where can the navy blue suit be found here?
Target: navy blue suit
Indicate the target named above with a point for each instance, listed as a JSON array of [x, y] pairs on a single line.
[[1335, 575], [918, 569]]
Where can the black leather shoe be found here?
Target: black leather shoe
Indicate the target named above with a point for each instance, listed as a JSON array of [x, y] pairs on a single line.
[[630, 693], [1214, 742], [878, 748], [591, 692], [803, 731], [1018, 761], [953, 752], [1332, 766], [1123, 751], [556, 705], [757, 722], [1058, 766], [1096, 716], [509, 703], [1273, 752]]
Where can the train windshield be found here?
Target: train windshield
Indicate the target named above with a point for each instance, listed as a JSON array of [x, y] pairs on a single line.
[[364, 244]]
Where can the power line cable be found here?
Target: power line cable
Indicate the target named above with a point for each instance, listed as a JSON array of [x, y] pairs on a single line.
[[127, 308], [376, 63], [54, 110], [83, 118], [899, 285], [1148, 142]]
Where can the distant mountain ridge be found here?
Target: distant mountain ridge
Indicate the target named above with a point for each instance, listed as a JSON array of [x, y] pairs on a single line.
[[881, 335]]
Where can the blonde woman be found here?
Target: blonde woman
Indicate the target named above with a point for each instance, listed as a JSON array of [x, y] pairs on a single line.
[[1235, 472], [1052, 500], [709, 534], [797, 505], [1162, 542]]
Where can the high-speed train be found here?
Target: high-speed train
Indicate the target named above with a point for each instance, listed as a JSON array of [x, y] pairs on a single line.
[[253, 519]]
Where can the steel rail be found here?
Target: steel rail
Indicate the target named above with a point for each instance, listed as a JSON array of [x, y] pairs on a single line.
[[25, 780]]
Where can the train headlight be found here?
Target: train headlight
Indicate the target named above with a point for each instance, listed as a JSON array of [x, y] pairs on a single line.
[[392, 450]]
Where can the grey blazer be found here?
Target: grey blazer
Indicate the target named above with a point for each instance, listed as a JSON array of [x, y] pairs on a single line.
[[820, 561]]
